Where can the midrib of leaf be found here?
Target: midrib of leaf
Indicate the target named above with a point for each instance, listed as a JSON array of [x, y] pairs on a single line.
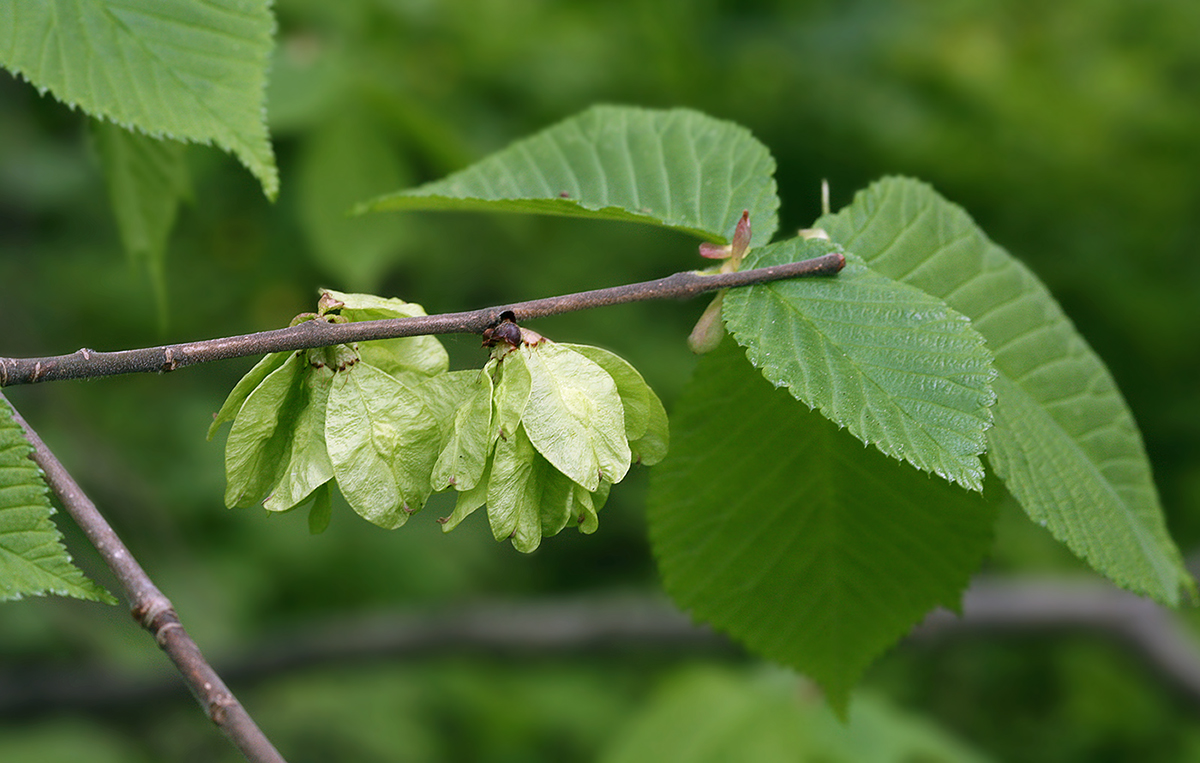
[[167, 69], [618, 163], [1084, 505], [185, 70], [857, 371]]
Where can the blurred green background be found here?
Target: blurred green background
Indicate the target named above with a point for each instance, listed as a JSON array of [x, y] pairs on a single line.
[[1071, 131]]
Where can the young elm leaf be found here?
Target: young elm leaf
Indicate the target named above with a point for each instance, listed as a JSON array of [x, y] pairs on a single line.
[[307, 465], [652, 446], [645, 418], [469, 500], [382, 441], [574, 416], [420, 354], [260, 440], [443, 394], [321, 510], [242, 390], [635, 393], [465, 454], [512, 385], [514, 491]]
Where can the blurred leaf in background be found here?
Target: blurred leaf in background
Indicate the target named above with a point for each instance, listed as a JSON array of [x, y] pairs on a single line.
[[1071, 133]]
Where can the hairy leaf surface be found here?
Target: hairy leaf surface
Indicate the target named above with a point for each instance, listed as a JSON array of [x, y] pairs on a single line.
[[190, 71], [897, 367], [678, 168], [774, 526], [33, 560], [1064, 440]]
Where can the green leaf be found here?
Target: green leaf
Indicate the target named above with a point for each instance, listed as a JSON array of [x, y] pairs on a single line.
[[342, 161], [190, 71], [246, 385], [514, 489], [574, 416], [645, 418], [33, 560], [895, 366], [527, 497], [322, 509], [1064, 440], [464, 456], [774, 526], [678, 168], [512, 393], [588, 505], [444, 395], [382, 441], [260, 440], [146, 179], [714, 714], [410, 354], [469, 501], [307, 466], [631, 387]]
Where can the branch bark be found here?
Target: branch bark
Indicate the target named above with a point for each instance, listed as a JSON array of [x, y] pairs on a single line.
[[154, 611], [515, 630], [86, 364]]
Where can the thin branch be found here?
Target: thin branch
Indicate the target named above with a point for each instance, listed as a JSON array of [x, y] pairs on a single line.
[[533, 630], [85, 363], [1152, 632], [154, 611]]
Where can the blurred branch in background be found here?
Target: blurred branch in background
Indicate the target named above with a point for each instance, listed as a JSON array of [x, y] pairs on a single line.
[[993, 608]]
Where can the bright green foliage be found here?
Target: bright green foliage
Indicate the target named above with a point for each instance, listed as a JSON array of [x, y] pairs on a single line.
[[464, 456], [260, 440], [538, 435], [33, 561], [774, 526], [677, 168], [645, 418], [712, 715], [190, 71], [574, 416], [1064, 441], [382, 441], [357, 414], [565, 423], [895, 366], [147, 179], [423, 355]]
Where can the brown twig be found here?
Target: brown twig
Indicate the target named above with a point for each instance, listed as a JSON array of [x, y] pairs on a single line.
[[154, 611], [84, 364]]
